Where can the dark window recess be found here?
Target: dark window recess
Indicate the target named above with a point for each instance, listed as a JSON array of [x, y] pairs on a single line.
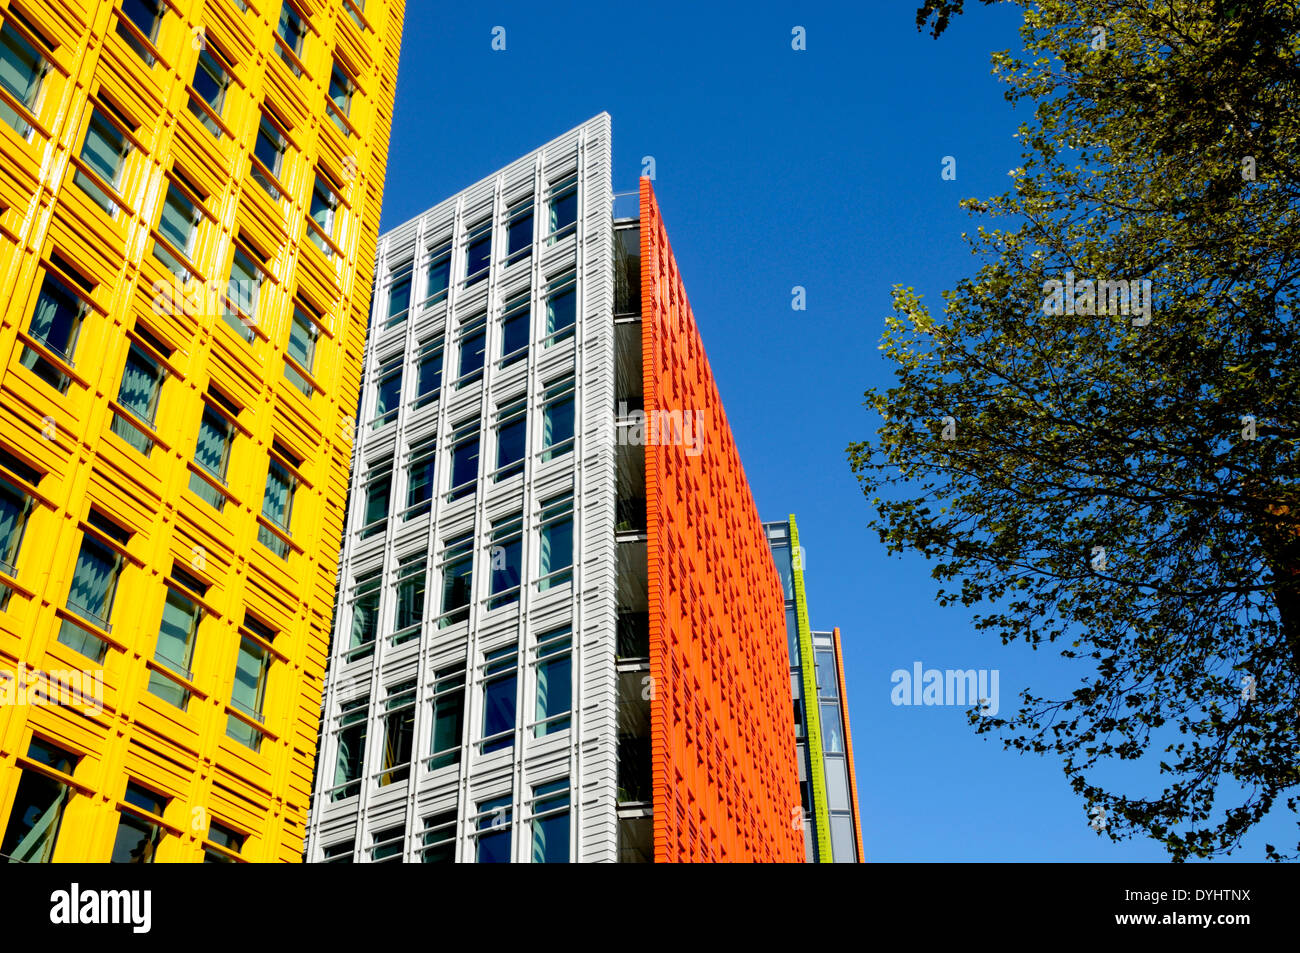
[[633, 634]]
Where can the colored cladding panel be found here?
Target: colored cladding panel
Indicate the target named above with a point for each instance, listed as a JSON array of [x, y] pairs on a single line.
[[848, 744], [812, 709], [722, 729], [189, 233]]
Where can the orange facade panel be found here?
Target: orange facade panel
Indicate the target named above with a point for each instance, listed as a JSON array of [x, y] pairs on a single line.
[[722, 729]]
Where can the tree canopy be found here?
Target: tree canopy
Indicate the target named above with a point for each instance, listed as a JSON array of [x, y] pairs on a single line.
[[1114, 477]]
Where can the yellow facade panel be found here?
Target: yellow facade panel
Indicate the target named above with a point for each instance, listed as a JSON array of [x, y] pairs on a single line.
[[189, 205]]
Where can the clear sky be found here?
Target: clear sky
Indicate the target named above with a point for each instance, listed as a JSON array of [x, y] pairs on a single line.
[[777, 168]]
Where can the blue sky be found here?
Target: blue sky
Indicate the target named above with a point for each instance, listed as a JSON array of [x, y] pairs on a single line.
[[777, 168]]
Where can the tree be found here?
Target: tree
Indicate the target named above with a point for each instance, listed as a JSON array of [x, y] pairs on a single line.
[[1119, 479]]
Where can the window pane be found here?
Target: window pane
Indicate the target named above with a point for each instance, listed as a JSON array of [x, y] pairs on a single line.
[[832, 735], [471, 355], [429, 373], [34, 821], [14, 504], [464, 462], [250, 668], [91, 592], [57, 317], [277, 504], [561, 309], [439, 275], [554, 691], [21, 69], [499, 711], [104, 151], [136, 841], [212, 450]]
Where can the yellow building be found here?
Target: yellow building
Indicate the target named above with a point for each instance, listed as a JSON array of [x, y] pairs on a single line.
[[189, 202]]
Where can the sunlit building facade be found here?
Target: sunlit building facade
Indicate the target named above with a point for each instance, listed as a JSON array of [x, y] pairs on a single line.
[[559, 633], [189, 202], [827, 781]]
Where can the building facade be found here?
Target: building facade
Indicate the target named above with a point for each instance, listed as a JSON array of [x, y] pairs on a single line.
[[558, 632], [189, 204], [827, 780]]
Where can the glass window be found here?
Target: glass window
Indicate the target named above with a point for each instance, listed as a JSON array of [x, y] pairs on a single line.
[[91, 595], [178, 223], [324, 208], [410, 598], [269, 149], [506, 561], [365, 615], [138, 393], [837, 785], [554, 682], [277, 506], [826, 674], [386, 845], [500, 676], [781, 555], [137, 837], [792, 634], [478, 252], [56, 323], [439, 839], [843, 843], [399, 733], [145, 16], [551, 823], [212, 453], [378, 490], [493, 827], [248, 693], [302, 350], [244, 292], [340, 97], [340, 853], [292, 33], [37, 814], [519, 233], [379, 487], [448, 715], [439, 275], [512, 435], [104, 152], [351, 749], [210, 82], [419, 485], [428, 373], [556, 542], [225, 837], [15, 505], [464, 461], [457, 579], [563, 208], [557, 419], [473, 337], [399, 296], [388, 392], [561, 309], [832, 734], [175, 647], [515, 331], [22, 72]]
